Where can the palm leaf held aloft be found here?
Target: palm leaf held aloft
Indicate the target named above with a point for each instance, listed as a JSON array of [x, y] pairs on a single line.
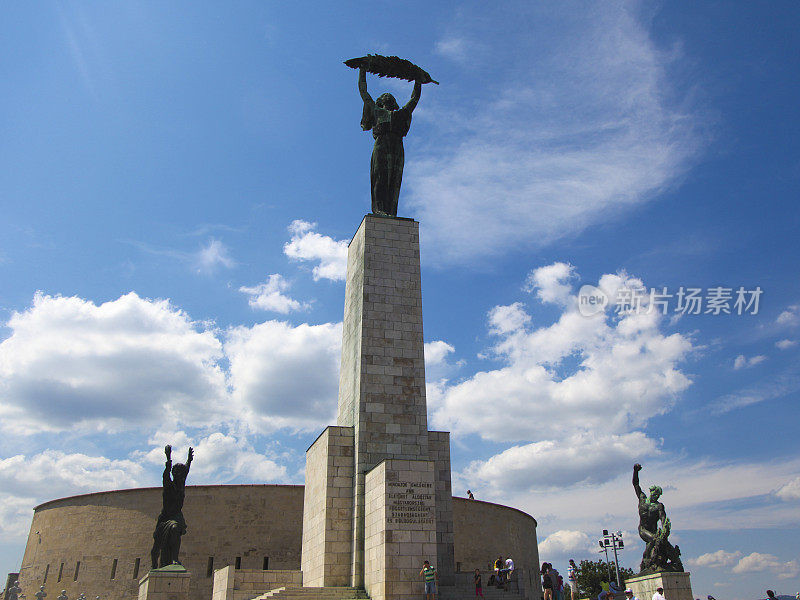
[[390, 66]]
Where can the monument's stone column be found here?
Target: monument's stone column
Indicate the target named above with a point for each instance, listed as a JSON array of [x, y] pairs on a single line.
[[382, 381]]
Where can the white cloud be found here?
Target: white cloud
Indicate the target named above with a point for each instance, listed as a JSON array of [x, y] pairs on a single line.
[[525, 171], [54, 473], [269, 295], [553, 464], [308, 245], [757, 562], [551, 282], [212, 255], [70, 363], [564, 543], [742, 362], [16, 513], [436, 352], [507, 319], [789, 317], [720, 558], [284, 376], [776, 387], [453, 48], [790, 490], [608, 374], [219, 458], [785, 344]]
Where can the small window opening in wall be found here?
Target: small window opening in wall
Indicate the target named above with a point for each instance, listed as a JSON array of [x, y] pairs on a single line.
[[238, 563], [210, 568], [266, 563], [60, 572], [136, 568], [46, 571], [458, 567], [114, 569], [77, 570]]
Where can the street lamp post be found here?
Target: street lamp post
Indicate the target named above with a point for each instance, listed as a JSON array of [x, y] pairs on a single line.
[[614, 541]]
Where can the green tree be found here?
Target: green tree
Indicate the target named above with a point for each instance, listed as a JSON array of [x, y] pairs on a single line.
[[593, 577]]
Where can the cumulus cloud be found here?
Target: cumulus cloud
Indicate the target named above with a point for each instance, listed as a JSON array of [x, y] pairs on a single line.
[[757, 562], [565, 543], [525, 171], [585, 458], [54, 473], [579, 374], [70, 363], [222, 458], [308, 245], [285, 376], [785, 344], [15, 516], [742, 362], [213, 255], [436, 352], [789, 491], [270, 295], [506, 319], [577, 390], [551, 282], [720, 558]]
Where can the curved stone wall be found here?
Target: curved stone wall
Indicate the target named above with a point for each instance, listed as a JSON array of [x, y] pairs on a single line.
[[483, 531], [92, 543]]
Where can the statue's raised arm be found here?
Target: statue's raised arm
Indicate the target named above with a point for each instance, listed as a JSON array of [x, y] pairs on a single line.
[[639, 493], [415, 96]]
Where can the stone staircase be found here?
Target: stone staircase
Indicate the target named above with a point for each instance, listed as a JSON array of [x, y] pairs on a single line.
[[314, 593], [467, 592]]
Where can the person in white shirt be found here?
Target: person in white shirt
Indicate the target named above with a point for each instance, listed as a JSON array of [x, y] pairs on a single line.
[[659, 595], [629, 595], [509, 568]]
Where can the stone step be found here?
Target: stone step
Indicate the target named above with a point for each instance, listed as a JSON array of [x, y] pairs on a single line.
[[309, 593]]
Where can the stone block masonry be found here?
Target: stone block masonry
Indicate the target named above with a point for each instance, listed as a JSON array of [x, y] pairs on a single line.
[[382, 380], [328, 509], [400, 528]]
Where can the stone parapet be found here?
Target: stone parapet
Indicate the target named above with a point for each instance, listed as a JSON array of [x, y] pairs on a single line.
[[677, 586]]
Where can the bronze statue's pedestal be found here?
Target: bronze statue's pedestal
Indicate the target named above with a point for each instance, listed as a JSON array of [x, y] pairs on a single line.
[[676, 586], [167, 583]]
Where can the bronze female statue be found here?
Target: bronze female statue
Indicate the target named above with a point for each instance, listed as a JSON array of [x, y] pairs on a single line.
[[389, 124]]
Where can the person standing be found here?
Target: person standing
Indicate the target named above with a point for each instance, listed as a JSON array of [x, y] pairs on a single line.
[[659, 595], [547, 582], [572, 576], [430, 577], [478, 584], [629, 595]]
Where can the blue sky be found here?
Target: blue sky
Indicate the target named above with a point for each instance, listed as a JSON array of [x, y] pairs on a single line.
[[179, 183]]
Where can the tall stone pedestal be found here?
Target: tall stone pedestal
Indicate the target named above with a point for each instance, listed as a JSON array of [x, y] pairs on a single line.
[[381, 434], [676, 586], [167, 583]]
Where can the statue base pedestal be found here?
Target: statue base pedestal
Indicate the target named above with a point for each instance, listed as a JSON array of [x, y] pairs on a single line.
[[167, 583], [676, 586]]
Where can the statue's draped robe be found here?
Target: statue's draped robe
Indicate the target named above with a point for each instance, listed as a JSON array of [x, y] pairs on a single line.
[[386, 168], [171, 518]]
